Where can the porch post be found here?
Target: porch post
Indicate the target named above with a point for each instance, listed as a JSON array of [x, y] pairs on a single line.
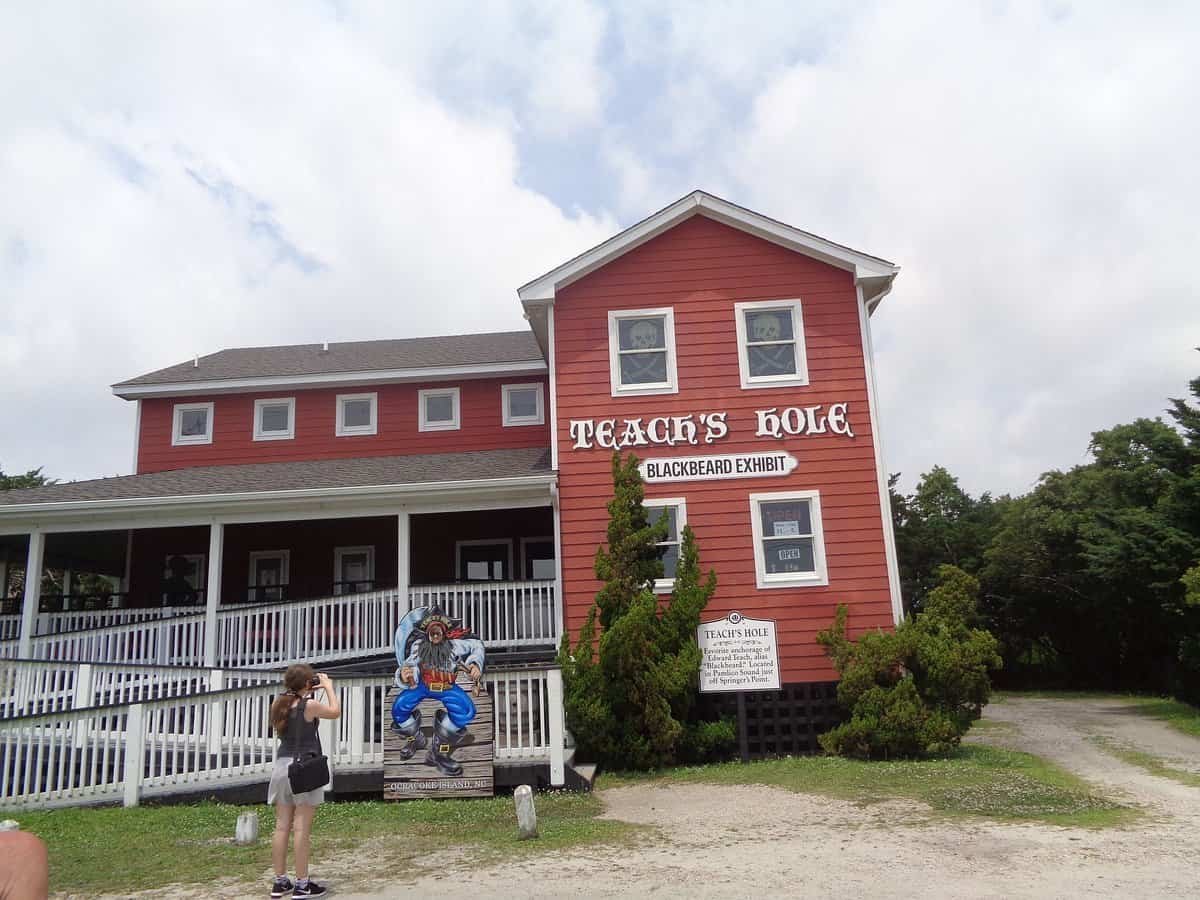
[[33, 593], [402, 560], [212, 591], [559, 600]]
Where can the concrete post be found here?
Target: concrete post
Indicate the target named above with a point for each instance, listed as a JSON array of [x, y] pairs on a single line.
[[212, 591], [33, 593]]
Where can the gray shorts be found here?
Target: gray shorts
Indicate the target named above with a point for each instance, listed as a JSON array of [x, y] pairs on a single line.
[[280, 789]]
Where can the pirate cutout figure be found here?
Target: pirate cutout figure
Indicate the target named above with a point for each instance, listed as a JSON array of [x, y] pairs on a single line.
[[772, 348], [643, 352], [431, 648]]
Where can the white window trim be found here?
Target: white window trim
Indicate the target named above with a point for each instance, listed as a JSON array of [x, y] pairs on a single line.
[[199, 560], [666, 585], [284, 578], [339, 552], [290, 434], [538, 418], [456, 398], [341, 430], [818, 578], [178, 439], [481, 542], [525, 542], [671, 385], [768, 381]]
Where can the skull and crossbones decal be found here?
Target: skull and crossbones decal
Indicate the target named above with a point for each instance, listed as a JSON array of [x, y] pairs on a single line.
[[769, 358], [649, 365]]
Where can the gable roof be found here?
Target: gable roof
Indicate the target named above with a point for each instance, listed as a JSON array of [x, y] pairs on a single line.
[[352, 362], [871, 272]]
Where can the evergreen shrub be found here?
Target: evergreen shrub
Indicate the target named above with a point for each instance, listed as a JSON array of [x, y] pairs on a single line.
[[914, 691]]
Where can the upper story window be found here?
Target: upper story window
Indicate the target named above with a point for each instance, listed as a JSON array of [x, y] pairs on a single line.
[[771, 344], [522, 404], [438, 409], [357, 414], [789, 545], [641, 351], [275, 420], [353, 570], [193, 423], [674, 509]]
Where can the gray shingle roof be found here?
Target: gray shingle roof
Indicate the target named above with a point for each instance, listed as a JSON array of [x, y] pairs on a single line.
[[352, 356], [284, 476]]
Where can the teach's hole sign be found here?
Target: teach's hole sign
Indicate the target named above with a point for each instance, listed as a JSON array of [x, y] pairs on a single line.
[[707, 427], [738, 654]]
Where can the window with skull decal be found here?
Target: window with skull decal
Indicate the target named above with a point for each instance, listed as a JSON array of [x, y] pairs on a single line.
[[642, 350], [772, 343]]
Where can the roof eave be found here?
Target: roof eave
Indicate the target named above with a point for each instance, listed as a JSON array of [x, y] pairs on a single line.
[[130, 391], [864, 267]]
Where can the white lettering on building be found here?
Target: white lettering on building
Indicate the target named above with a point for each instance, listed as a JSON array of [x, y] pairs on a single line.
[[707, 427]]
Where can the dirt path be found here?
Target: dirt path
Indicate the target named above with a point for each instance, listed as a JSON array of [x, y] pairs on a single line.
[[711, 841]]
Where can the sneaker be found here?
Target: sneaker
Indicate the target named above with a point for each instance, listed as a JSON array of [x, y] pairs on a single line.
[[312, 889], [281, 887]]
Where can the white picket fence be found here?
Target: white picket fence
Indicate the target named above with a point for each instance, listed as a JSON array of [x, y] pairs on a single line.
[[502, 614], [29, 687], [184, 744]]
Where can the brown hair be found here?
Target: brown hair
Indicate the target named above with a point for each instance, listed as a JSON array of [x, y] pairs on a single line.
[[296, 680]]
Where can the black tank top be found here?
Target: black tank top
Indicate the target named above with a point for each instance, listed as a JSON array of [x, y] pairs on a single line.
[[299, 737]]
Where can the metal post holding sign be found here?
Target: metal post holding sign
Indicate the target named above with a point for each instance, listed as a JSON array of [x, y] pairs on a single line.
[[738, 654]]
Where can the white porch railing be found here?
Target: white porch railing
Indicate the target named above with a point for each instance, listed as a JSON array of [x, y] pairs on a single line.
[[58, 622], [502, 614], [30, 687], [174, 745]]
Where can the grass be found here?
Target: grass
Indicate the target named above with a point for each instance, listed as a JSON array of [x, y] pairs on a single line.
[[151, 846], [1153, 764], [1179, 715], [975, 780]]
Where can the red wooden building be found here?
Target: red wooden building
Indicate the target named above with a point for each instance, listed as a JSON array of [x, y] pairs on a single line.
[[291, 501]]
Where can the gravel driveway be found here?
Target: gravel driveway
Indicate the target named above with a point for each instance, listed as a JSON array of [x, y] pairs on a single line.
[[761, 841]]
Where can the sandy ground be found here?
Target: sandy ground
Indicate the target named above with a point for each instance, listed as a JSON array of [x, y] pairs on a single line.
[[715, 841]]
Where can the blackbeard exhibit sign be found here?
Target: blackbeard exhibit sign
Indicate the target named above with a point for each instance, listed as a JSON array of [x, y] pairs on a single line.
[[711, 468], [438, 719], [738, 654]]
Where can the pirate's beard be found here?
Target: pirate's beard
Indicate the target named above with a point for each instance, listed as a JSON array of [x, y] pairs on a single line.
[[436, 657]]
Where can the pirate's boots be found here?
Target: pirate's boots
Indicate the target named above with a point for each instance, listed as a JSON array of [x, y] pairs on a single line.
[[444, 742], [414, 740]]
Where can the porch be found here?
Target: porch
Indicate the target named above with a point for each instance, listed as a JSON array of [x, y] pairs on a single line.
[[263, 594]]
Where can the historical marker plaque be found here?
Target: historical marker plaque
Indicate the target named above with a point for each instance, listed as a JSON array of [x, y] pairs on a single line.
[[738, 654]]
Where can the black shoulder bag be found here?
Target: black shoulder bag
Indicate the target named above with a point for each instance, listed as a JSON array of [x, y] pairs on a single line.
[[310, 770]]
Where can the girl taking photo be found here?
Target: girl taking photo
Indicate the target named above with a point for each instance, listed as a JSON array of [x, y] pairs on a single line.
[[294, 715]]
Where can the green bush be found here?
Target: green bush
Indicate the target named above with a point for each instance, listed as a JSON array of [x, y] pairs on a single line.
[[914, 691], [630, 694]]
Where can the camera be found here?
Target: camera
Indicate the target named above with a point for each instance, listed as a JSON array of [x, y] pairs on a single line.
[[315, 681]]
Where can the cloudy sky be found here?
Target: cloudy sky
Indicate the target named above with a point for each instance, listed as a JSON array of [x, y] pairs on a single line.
[[177, 178]]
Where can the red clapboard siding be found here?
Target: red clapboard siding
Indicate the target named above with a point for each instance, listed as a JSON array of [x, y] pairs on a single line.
[[233, 427], [701, 268]]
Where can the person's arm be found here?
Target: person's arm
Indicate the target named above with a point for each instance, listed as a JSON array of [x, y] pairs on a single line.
[[329, 708]]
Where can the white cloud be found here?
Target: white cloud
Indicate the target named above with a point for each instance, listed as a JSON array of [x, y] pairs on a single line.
[[179, 185]]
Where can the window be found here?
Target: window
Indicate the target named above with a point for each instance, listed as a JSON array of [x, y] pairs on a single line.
[[357, 414], [439, 409], [641, 351], [771, 343], [353, 570], [275, 420], [488, 560], [193, 424], [183, 579], [268, 576], [537, 559], [789, 550], [675, 511], [522, 404]]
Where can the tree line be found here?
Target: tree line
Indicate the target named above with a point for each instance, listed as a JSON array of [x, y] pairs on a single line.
[[1090, 580]]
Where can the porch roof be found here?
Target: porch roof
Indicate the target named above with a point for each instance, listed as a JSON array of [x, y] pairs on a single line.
[[301, 477]]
